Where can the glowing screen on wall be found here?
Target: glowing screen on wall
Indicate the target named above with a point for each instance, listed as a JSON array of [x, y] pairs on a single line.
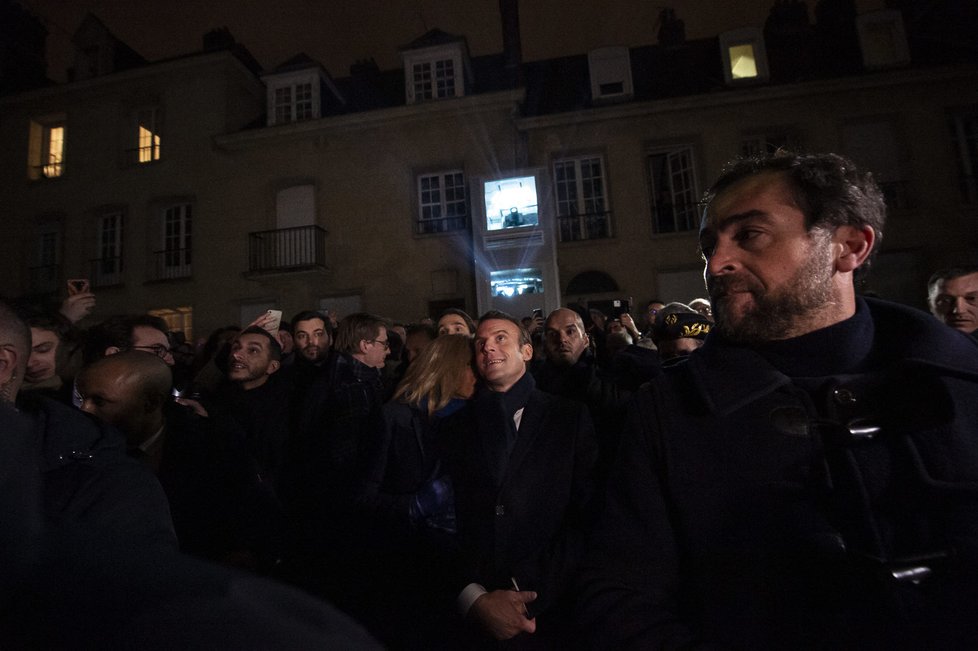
[[511, 203]]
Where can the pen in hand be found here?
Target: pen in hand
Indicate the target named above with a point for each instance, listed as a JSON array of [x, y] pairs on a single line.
[[526, 613]]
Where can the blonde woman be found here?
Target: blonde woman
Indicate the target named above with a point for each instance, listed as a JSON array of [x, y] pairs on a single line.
[[408, 500]]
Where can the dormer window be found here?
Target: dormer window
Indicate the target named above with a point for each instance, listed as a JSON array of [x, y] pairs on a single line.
[[744, 56], [299, 90], [435, 67], [611, 73], [882, 39]]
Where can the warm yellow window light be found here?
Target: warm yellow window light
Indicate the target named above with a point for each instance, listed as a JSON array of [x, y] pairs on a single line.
[[149, 145], [742, 63], [55, 152]]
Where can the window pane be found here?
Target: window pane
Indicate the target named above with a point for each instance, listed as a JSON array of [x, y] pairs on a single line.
[[742, 64]]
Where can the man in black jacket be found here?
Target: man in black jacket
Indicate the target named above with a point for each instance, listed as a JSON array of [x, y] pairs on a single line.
[[806, 479], [522, 463]]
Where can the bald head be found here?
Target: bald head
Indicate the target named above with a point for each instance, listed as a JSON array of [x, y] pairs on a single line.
[[15, 349], [127, 390], [565, 338]]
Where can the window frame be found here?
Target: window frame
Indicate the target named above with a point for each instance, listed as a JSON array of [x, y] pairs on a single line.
[[103, 273], [690, 214], [591, 210], [459, 221], [41, 164]]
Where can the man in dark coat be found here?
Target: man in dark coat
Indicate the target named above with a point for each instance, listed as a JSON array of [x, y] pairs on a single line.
[[522, 463], [807, 478]]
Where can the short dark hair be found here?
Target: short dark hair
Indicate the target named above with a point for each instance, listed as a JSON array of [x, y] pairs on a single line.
[[357, 327], [947, 273], [307, 315], [274, 347], [504, 316], [828, 189], [117, 331]]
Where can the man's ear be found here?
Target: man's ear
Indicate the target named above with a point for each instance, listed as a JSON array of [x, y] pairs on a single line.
[[852, 244], [111, 350], [362, 346], [273, 366], [526, 352], [9, 360]]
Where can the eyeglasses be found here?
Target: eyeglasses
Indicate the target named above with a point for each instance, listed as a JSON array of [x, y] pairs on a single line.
[[159, 350], [383, 342]]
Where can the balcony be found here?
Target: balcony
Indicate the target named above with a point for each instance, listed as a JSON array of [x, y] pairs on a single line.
[[106, 272], [442, 225], [172, 264], [287, 249], [590, 226], [45, 279]]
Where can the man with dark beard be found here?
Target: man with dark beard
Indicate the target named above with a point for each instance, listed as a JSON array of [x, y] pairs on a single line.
[[806, 478]]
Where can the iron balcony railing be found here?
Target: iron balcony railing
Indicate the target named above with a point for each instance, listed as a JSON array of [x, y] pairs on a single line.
[[287, 249], [106, 272], [171, 264], [442, 224], [589, 226]]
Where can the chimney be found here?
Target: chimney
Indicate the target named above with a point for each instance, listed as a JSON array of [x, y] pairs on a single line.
[[509, 11]]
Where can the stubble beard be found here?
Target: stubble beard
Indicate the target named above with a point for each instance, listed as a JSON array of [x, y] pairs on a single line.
[[778, 313]]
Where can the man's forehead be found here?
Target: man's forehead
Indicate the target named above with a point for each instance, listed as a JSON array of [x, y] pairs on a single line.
[[310, 324], [747, 197], [495, 326], [963, 284], [143, 335], [251, 339], [563, 318]]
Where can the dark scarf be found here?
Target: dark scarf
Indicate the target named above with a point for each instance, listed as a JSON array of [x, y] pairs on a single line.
[[494, 412]]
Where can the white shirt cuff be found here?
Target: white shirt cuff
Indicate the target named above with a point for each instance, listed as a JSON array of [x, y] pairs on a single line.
[[468, 596]]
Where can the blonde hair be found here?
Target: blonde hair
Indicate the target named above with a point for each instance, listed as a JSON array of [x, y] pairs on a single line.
[[437, 373]]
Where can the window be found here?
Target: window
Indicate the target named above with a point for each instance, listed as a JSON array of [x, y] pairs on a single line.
[[511, 203], [107, 266], [45, 270], [442, 203], [294, 103], [515, 282], [673, 186], [964, 137], [178, 319], [611, 73], [582, 212], [882, 39], [174, 261], [744, 56], [47, 149], [147, 133], [434, 80]]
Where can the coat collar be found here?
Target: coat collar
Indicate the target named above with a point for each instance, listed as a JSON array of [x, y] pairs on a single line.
[[729, 376]]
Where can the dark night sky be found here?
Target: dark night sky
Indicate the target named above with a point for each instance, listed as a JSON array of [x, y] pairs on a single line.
[[338, 33]]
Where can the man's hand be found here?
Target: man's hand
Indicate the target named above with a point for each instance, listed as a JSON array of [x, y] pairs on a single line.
[[192, 404], [629, 323], [77, 306], [503, 613]]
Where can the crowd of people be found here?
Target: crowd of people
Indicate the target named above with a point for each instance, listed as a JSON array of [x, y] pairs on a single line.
[[782, 464]]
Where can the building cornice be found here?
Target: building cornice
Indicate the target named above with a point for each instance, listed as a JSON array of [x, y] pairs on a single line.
[[754, 94], [509, 100]]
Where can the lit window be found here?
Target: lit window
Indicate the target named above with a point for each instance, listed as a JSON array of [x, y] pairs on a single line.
[[47, 148], [147, 135], [442, 203], [744, 55], [178, 319], [582, 212], [672, 180], [515, 282], [511, 203], [742, 64]]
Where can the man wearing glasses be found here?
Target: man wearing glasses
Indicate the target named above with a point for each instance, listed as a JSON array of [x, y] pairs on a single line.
[[129, 332]]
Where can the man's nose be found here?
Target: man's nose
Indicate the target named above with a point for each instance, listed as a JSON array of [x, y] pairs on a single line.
[[722, 259], [960, 305]]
